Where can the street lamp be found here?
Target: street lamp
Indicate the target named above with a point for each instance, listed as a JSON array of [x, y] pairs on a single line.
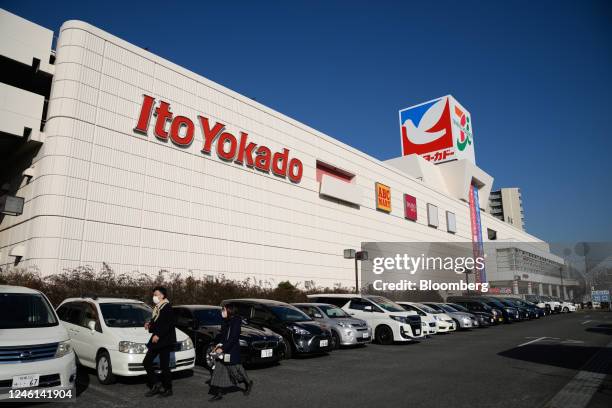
[[357, 256]]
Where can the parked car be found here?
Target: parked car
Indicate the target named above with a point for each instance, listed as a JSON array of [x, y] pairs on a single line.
[[524, 313], [108, 335], [445, 322], [429, 320], [388, 320], [535, 299], [35, 349], [203, 323], [301, 334], [554, 305], [346, 330], [462, 320], [477, 305], [483, 319], [509, 314], [534, 311], [566, 307]]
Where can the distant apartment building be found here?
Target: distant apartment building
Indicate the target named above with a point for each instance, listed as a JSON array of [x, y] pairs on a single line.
[[506, 204]]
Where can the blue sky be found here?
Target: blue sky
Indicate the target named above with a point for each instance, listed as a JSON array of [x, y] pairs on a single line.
[[535, 75]]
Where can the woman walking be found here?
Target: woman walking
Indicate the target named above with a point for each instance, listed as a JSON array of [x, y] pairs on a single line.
[[228, 369]]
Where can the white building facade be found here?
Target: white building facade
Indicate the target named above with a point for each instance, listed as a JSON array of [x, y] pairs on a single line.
[[104, 185]]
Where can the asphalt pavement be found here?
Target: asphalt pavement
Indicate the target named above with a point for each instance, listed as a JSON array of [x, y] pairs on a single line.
[[530, 364]]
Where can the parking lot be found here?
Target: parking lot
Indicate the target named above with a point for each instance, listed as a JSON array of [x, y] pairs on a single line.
[[518, 365]]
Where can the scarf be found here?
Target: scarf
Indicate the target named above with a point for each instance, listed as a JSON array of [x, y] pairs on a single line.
[[158, 307]]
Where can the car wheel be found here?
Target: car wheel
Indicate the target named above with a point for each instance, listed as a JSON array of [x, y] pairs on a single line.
[[384, 335], [104, 369], [335, 340], [287, 351], [566, 309], [457, 325]]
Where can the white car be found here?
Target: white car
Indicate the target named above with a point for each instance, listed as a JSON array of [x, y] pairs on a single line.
[[567, 307], [35, 350], [389, 321], [445, 322], [430, 321], [108, 335]]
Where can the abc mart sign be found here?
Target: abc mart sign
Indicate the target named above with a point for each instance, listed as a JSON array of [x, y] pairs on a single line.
[[228, 147], [439, 130]]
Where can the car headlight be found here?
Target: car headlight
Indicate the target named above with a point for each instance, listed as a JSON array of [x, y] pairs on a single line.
[[423, 324], [131, 347], [243, 343], [186, 344], [437, 317], [63, 348], [300, 331], [467, 320], [401, 319], [344, 324]]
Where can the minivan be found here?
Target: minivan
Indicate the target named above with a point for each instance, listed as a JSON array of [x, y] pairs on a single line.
[[35, 349], [389, 321]]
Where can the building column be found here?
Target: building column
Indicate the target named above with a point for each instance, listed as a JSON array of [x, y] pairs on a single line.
[[529, 288], [515, 288], [550, 289], [571, 294], [540, 289], [558, 290], [565, 293]]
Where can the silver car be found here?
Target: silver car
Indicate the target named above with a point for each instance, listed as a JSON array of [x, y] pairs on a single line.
[[346, 330], [462, 319]]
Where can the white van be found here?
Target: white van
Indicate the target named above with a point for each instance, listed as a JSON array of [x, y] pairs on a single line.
[[108, 335], [35, 350], [388, 320]]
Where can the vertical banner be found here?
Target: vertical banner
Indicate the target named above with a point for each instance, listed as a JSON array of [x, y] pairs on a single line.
[[480, 275]]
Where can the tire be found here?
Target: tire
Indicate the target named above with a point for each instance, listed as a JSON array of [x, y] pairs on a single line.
[[457, 325], [384, 335], [335, 342], [104, 369], [209, 362], [287, 352], [566, 309]]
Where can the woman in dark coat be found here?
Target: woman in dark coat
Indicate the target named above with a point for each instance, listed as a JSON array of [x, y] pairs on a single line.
[[228, 371]]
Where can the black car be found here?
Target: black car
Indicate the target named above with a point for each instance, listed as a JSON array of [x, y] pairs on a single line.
[[301, 334], [509, 314], [484, 319], [474, 304], [524, 313], [534, 311], [203, 323]]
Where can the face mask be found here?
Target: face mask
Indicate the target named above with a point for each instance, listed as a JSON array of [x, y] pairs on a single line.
[[224, 313], [156, 299]]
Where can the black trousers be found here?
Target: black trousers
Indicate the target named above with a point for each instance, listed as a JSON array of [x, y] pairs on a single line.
[[164, 365]]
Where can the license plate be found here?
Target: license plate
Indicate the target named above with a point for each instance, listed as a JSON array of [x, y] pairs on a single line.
[[266, 353], [417, 331], [24, 381], [323, 343], [366, 335]]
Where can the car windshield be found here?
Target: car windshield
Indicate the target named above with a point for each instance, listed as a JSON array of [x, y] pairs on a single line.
[[496, 303], [289, 314], [546, 298], [458, 307], [125, 314], [333, 312], [426, 308], [208, 317], [448, 308], [386, 304], [25, 310]]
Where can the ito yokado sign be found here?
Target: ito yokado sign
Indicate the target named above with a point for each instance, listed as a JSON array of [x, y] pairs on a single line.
[[439, 130]]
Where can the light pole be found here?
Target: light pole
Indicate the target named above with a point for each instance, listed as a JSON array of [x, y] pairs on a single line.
[[357, 256]]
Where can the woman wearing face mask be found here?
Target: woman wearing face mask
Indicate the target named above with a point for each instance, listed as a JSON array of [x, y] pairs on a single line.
[[163, 339], [228, 369]]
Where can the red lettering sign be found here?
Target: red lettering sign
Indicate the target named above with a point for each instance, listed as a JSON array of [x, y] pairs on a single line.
[[410, 207], [229, 148]]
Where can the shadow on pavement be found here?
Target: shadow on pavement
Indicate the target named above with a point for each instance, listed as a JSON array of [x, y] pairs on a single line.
[[558, 355], [602, 329]]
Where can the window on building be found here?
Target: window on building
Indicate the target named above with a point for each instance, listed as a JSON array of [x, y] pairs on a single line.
[[451, 222], [491, 234], [432, 215]]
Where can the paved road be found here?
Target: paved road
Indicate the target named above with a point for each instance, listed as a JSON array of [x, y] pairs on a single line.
[[518, 365]]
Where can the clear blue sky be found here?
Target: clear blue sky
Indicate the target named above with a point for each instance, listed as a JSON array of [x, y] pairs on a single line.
[[536, 76]]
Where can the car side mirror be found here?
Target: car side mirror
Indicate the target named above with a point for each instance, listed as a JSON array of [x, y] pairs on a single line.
[[91, 325], [368, 308]]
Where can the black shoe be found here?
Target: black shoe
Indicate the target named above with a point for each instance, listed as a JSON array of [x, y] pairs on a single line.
[[216, 397], [249, 387], [166, 393], [156, 389]]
